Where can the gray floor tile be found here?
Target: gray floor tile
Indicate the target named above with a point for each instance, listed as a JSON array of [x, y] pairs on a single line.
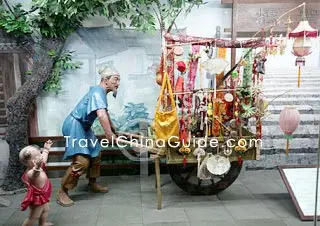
[[167, 215], [17, 218], [169, 224], [282, 208], [295, 221], [267, 187], [213, 223], [5, 214], [77, 214], [130, 200], [234, 192], [199, 213], [261, 222], [170, 200], [191, 203], [248, 209], [15, 200], [84, 198], [119, 215], [274, 174]]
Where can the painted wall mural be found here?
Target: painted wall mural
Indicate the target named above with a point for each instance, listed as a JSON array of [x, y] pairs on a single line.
[[135, 55]]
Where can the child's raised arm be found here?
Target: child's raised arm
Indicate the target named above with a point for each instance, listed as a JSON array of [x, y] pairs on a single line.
[[46, 150]]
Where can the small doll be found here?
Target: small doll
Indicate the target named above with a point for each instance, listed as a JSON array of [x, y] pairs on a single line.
[[38, 184]]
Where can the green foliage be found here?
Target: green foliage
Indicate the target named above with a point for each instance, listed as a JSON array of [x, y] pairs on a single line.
[[13, 24], [62, 64], [144, 14], [59, 18]]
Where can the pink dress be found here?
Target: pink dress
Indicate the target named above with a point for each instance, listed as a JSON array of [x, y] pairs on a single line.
[[36, 196]]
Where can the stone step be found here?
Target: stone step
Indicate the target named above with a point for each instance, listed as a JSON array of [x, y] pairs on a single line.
[[288, 76], [295, 143], [292, 150], [303, 131], [272, 123], [287, 87], [292, 94], [290, 90], [275, 160], [267, 78], [292, 70], [294, 101], [303, 117], [303, 109], [290, 84], [286, 72]]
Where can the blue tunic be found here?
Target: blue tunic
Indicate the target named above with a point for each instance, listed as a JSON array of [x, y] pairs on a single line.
[[77, 126]]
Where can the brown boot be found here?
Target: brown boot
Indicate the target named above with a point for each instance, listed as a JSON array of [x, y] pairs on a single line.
[[63, 199], [97, 188]]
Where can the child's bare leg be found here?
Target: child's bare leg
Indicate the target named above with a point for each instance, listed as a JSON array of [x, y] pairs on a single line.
[[44, 216], [34, 215]]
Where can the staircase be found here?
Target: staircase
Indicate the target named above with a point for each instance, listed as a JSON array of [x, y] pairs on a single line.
[[280, 87]]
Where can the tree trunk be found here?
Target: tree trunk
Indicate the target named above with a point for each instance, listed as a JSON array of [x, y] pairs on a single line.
[[18, 109]]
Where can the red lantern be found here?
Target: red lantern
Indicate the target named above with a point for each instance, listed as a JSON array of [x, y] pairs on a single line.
[[289, 122], [302, 45], [181, 66]]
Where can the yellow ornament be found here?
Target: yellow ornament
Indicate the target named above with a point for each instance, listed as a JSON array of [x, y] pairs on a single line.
[[210, 110]]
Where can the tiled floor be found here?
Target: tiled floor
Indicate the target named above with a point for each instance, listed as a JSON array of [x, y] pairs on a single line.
[[255, 198]]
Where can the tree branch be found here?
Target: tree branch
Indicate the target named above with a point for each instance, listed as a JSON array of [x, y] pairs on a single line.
[[31, 11], [174, 19], [158, 18], [162, 25], [9, 7]]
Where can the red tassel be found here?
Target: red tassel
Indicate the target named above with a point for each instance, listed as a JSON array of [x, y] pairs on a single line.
[[184, 161], [240, 160]]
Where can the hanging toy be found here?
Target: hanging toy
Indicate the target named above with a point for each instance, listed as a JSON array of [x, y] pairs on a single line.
[[183, 133], [159, 73], [199, 152], [240, 160], [289, 122], [184, 151], [302, 44], [181, 66], [203, 112], [240, 149], [258, 127], [178, 50]]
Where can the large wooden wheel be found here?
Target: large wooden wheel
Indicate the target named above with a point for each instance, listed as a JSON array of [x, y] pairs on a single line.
[[186, 178]]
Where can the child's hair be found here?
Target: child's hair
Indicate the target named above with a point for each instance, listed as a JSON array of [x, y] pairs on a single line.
[[25, 154]]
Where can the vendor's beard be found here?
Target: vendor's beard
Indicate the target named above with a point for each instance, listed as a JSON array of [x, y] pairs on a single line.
[[115, 92]]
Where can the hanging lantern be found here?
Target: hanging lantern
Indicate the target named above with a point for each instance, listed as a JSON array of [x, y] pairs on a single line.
[[181, 66], [302, 44], [289, 122]]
